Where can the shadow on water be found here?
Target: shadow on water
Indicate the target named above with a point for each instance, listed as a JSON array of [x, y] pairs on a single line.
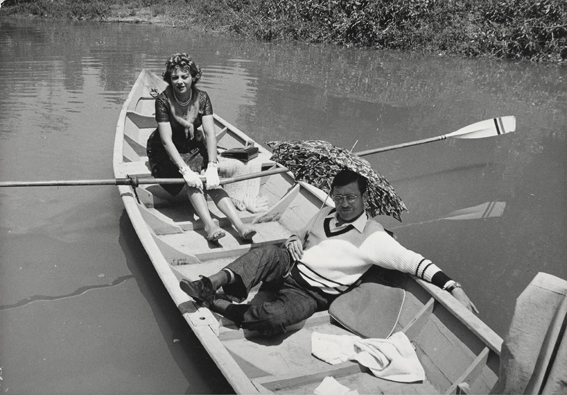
[[192, 359]]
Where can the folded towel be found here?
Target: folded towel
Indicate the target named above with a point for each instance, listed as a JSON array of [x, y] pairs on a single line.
[[244, 194], [330, 386], [333, 349], [391, 359]]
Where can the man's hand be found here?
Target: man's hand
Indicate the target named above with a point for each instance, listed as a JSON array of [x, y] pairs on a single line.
[[295, 248], [462, 297]]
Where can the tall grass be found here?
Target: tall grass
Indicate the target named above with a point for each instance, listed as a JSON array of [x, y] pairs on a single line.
[[513, 29]]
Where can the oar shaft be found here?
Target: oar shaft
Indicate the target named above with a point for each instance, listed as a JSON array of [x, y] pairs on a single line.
[[487, 128], [403, 145], [254, 175], [223, 181], [135, 180], [58, 183]]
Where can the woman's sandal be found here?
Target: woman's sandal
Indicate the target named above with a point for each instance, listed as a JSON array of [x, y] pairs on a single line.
[[247, 233], [215, 234]]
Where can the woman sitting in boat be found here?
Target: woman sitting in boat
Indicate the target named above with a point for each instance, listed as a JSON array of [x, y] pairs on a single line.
[[177, 146]]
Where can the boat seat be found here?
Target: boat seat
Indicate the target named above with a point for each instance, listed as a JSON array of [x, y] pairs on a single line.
[[142, 121], [230, 247], [534, 353], [138, 168]]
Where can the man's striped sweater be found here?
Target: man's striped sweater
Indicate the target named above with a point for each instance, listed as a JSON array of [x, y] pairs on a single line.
[[335, 256]]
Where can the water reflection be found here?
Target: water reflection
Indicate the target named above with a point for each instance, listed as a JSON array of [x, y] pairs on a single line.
[[203, 377], [64, 83], [481, 211]]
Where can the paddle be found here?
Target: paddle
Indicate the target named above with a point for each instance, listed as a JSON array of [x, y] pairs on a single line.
[[487, 128], [482, 211], [134, 181]]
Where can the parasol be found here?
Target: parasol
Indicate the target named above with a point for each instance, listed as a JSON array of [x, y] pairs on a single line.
[[317, 162]]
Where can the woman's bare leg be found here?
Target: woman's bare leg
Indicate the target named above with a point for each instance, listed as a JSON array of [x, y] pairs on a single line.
[[224, 203], [199, 202]]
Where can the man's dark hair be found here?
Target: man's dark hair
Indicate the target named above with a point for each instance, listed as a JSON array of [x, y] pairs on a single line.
[[345, 177]]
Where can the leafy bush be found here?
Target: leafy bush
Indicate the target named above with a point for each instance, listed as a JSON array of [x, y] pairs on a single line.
[[71, 9], [515, 29]]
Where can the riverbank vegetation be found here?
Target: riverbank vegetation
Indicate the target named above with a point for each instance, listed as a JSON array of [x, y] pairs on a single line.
[[533, 30]]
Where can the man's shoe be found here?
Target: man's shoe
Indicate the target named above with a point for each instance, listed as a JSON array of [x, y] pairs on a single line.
[[200, 290]]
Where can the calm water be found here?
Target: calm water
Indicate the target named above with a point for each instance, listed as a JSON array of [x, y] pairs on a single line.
[[82, 310]]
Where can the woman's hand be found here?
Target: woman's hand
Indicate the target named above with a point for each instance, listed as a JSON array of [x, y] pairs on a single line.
[[295, 248], [212, 176], [189, 132], [191, 178], [462, 297]]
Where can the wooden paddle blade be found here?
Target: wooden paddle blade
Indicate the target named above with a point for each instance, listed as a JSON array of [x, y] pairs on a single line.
[[487, 128]]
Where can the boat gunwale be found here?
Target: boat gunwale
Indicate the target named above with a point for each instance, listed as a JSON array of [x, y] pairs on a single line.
[[206, 335]]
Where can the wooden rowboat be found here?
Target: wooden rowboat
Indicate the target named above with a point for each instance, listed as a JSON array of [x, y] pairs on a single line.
[[458, 352]]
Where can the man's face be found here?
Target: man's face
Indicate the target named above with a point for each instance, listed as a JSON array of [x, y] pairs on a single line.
[[349, 202]]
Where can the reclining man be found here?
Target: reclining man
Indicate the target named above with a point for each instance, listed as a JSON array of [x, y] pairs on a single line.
[[307, 274]]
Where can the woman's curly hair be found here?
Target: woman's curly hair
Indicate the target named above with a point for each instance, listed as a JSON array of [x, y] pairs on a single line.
[[181, 61]]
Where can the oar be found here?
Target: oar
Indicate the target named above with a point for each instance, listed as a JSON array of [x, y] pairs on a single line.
[[487, 128], [134, 181], [482, 211], [482, 129]]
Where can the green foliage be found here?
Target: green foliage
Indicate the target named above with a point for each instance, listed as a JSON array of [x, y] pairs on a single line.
[[533, 30], [522, 29], [70, 9], [514, 29]]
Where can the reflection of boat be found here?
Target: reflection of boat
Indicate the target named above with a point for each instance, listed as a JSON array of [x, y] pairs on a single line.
[[455, 348]]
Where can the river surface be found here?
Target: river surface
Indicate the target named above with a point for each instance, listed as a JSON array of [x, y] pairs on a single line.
[[82, 310]]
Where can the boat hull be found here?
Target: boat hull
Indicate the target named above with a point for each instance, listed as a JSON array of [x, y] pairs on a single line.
[[457, 350]]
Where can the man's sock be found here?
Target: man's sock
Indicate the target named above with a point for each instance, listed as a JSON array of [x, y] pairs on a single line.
[[220, 305], [231, 275], [225, 276], [234, 312]]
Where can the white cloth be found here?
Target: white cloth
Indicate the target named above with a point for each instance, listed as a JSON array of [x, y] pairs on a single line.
[[333, 349], [244, 194], [390, 359], [330, 386]]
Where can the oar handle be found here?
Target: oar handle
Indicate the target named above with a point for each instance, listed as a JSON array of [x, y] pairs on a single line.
[[403, 145]]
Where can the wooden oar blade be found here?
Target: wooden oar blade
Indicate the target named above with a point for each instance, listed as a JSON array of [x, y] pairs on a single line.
[[486, 128]]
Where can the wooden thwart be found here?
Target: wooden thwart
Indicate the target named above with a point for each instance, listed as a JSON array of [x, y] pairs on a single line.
[[274, 383]]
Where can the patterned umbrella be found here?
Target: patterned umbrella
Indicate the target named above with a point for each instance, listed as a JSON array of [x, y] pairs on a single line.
[[317, 162]]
